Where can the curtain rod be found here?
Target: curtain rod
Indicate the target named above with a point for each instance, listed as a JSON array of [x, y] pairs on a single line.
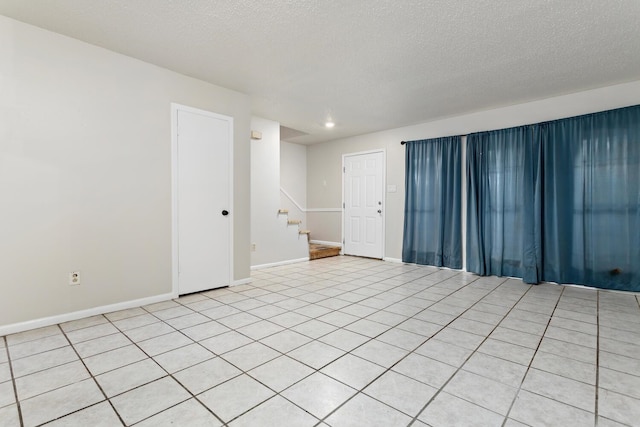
[[403, 142]]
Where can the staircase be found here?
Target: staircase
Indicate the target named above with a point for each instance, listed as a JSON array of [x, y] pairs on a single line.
[[316, 250]]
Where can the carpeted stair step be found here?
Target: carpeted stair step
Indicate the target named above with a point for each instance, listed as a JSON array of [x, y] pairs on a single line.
[[317, 251]]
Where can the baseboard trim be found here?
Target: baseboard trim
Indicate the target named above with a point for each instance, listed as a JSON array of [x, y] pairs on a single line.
[[276, 264], [324, 242], [396, 260], [241, 282], [75, 315]]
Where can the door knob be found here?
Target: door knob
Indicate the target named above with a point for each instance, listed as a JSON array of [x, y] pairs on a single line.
[[379, 210], [225, 212]]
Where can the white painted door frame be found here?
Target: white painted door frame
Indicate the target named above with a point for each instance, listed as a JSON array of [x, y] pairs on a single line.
[[384, 193], [175, 280]]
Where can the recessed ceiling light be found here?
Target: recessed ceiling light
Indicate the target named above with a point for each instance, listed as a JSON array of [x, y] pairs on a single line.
[[329, 124]]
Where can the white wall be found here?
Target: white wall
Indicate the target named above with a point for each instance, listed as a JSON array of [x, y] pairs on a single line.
[[324, 185], [85, 173], [274, 240], [293, 180]]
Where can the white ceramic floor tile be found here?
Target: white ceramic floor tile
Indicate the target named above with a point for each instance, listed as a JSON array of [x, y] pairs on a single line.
[[85, 322], [401, 392], [363, 410], [205, 330], [97, 331], [619, 382], [319, 394], [428, 371], [275, 412], [259, 330], [7, 395], [149, 331], [124, 314], [101, 345], [316, 354], [135, 321], [189, 413], [5, 372], [344, 340], [565, 366], [129, 377], [562, 389], [173, 312], [225, 342], [444, 352], [56, 403], [149, 399], [620, 363], [40, 345], [164, 343], [250, 356], [353, 371], [285, 341], [403, 339], [328, 307], [50, 379], [32, 335], [338, 319], [507, 351], [100, 415], [239, 320], [113, 359], [484, 392], [501, 370], [206, 375], [536, 410], [447, 410], [9, 416], [515, 337], [605, 422], [618, 347], [381, 353], [566, 349], [280, 373], [39, 362], [459, 338], [314, 328], [183, 357], [235, 397]]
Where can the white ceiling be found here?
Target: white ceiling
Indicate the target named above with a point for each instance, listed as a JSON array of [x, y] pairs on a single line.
[[370, 65]]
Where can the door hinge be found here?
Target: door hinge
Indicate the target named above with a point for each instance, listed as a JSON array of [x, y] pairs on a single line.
[[344, 169], [343, 205]]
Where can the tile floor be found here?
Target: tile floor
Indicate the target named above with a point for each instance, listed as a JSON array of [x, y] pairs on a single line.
[[340, 341]]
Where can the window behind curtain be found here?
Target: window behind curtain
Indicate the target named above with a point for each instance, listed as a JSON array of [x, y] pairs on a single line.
[[558, 201], [502, 186], [592, 200], [432, 224]]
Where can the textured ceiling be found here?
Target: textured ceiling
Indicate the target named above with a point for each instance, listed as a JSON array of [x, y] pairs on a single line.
[[369, 65]]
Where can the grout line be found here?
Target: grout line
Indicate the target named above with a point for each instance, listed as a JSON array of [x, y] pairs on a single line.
[[169, 375], [515, 303], [420, 345], [13, 381], [92, 377], [533, 357], [384, 281]]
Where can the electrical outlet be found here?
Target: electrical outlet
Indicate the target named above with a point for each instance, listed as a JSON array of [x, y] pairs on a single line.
[[74, 278], [253, 247]]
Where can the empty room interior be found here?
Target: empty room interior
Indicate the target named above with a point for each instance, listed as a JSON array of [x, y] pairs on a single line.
[[320, 213]]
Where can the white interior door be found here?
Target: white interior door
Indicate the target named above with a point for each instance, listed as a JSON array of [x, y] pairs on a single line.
[[203, 196], [363, 209]]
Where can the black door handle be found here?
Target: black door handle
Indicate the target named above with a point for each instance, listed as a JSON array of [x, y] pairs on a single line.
[[225, 212]]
